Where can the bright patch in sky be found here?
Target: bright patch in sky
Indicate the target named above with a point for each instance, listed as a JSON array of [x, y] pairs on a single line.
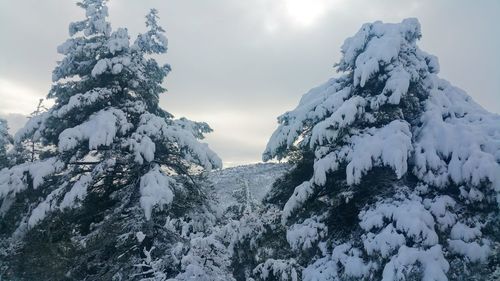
[[306, 12], [16, 97]]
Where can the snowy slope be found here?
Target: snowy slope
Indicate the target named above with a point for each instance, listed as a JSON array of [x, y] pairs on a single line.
[[251, 181]]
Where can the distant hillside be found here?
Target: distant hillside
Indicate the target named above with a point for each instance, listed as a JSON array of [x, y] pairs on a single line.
[[231, 184]]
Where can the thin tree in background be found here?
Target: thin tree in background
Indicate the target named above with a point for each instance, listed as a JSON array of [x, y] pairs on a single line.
[[5, 141]]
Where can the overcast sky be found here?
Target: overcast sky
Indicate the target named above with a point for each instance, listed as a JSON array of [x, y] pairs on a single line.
[[238, 64]]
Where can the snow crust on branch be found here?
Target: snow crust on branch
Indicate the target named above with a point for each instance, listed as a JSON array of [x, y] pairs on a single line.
[[46, 206], [301, 193], [306, 234], [387, 146], [458, 141], [154, 128], [473, 251], [343, 256], [409, 216], [78, 101], [101, 129], [282, 270], [207, 259], [15, 179], [77, 192], [432, 260], [156, 190]]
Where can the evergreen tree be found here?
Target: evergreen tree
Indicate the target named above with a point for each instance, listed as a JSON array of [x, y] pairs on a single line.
[[5, 141], [86, 210], [405, 178], [29, 148]]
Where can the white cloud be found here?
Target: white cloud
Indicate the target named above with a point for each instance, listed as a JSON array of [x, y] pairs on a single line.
[[17, 98], [306, 13], [15, 121]]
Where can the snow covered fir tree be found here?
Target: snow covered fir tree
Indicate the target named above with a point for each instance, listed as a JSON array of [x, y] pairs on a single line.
[[391, 173], [115, 165], [5, 143], [398, 175]]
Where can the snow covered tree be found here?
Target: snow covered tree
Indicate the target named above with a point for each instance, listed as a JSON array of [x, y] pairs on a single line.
[[29, 148], [5, 141], [86, 211], [404, 181]]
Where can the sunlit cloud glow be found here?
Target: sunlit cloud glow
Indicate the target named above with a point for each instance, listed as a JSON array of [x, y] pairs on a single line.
[[17, 98], [305, 13]]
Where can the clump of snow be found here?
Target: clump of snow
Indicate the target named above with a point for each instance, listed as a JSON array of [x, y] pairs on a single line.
[[343, 256], [77, 192], [157, 128], [114, 65], [434, 265], [299, 196], [465, 233], [387, 43], [409, 216], [385, 242], [473, 195], [15, 180], [396, 86], [100, 129], [156, 190], [388, 146], [142, 146], [458, 141], [207, 259], [327, 130], [100, 67], [249, 228], [41, 169], [440, 207], [328, 163], [118, 41], [473, 251], [304, 235], [45, 207], [282, 270], [80, 100], [140, 236]]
